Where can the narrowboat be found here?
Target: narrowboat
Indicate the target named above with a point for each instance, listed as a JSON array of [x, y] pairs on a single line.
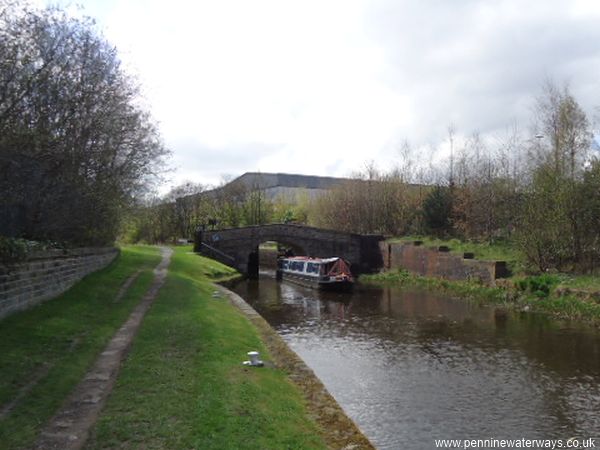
[[320, 273]]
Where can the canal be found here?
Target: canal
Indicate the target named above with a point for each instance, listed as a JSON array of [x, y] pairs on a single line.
[[412, 366]]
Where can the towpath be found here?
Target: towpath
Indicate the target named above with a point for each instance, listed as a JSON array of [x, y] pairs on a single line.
[[70, 427]]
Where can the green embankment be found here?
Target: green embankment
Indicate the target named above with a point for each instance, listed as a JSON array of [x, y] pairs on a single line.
[[183, 385], [562, 295], [45, 351], [503, 250], [500, 250], [514, 296]]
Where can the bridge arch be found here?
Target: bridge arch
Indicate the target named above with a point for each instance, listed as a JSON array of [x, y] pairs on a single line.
[[259, 256], [238, 247]]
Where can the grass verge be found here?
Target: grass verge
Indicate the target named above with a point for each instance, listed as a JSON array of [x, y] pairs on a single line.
[[550, 299], [45, 351], [183, 385]]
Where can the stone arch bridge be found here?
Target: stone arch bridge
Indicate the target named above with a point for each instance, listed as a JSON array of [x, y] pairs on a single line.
[[238, 247]]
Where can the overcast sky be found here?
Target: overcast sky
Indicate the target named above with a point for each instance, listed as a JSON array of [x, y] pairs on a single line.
[[323, 86]]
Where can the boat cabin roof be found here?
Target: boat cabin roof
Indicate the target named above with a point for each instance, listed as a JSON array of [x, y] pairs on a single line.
[[317, 260]]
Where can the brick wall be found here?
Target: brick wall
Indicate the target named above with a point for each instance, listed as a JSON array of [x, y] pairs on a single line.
[[435, 262], [45, 275]]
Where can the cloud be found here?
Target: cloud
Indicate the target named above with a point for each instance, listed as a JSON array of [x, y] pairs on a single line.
[[479, 64], [321, 87], [194, 160]]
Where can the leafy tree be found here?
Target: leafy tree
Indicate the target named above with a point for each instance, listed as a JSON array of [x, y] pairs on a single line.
[[552, 230], [588, 196], [564, 128], [187, 207], [543, 230], [75, 145], [437, 210]]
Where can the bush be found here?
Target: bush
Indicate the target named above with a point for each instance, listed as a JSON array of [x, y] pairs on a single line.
[[13, 250], [437, 210], [540, 285]]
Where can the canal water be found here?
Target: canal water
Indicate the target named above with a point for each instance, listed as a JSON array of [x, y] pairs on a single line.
[[410, 367]]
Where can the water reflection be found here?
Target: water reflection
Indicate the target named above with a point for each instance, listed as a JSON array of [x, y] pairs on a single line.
[[411, 367]]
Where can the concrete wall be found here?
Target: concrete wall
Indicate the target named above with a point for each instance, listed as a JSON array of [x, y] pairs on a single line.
[[433, 262], [45, 275]]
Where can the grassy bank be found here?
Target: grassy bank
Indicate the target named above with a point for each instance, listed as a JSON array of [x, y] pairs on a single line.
[[45, 351], [500, 250], [503, 250], [545, 293], [183, 385]]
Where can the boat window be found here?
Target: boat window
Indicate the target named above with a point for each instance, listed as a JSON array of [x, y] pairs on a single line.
[[312, 268], [297, 266]]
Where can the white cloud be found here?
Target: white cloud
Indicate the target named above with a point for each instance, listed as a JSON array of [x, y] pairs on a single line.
[[323, 86]]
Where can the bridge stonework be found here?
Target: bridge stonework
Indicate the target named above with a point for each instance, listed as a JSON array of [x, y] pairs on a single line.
[[238, 247]]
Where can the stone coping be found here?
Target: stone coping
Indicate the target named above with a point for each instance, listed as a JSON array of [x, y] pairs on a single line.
[[56, 253]]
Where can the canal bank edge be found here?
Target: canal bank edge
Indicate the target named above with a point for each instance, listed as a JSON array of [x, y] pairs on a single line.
[[338, 430], [504, 295]]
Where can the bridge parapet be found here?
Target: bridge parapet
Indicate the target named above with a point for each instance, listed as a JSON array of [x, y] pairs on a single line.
[[238, 247]]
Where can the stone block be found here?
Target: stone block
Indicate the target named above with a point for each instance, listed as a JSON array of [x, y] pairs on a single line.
[[47, 274]]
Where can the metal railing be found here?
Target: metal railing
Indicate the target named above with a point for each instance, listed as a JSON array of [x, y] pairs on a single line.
[[217, 251]]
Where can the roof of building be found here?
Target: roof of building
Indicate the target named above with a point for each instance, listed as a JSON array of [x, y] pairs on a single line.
[[251, 181], [257, 180]]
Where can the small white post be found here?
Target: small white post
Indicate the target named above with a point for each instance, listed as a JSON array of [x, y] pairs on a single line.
[[254, 361]]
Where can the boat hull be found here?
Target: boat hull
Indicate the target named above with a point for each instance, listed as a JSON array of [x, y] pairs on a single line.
[[315, 282]]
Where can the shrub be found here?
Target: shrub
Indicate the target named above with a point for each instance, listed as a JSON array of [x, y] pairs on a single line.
[[540, 285]]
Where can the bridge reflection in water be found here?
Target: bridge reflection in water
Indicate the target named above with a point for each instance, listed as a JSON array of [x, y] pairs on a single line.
[[411, 367]]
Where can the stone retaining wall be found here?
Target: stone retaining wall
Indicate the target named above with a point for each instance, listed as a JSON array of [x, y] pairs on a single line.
[[439, 262], [45, 275]]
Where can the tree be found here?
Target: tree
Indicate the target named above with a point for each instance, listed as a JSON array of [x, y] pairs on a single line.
[[437, 210], [552, 228], [543, 229], [484, 194], [186, 203], [370, 202], [589, 196], [75, 145], [564, 127]]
